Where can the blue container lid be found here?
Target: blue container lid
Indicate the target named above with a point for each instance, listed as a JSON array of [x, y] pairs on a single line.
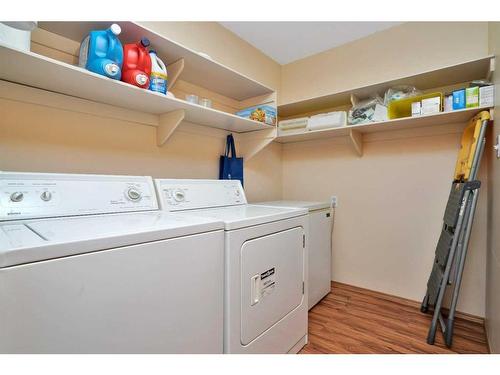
[[145, 42]]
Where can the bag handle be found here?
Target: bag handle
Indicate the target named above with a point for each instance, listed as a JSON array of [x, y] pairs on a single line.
[[230, 147]]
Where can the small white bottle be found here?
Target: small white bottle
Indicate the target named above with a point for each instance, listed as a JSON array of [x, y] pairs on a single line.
[[158, 77]]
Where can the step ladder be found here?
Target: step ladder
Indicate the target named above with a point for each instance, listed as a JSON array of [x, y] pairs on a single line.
[[451, 249]]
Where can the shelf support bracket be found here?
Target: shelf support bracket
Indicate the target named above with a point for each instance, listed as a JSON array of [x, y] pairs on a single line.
[[491, 69], [251, 143], [356, 139], [174, 71], [168, 122]]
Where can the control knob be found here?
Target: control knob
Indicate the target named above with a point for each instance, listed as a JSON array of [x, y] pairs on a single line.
[[134, 195], [179, 195], [17, 196], [46, 196]]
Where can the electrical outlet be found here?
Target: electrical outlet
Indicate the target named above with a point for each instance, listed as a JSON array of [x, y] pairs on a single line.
[[334, 201]]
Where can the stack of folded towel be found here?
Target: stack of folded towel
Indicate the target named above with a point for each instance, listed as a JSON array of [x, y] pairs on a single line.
[[293, 126], [327, 121], [317, 122]]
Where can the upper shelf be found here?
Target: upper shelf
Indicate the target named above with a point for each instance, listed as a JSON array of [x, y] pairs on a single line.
[[42, 72], [198, 69], [442, 118], [445, 76]]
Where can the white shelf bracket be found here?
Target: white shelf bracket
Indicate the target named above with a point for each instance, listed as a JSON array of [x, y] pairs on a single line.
[[491, 69], [174, 71], [168, 122], [251, 143], [356, 139]]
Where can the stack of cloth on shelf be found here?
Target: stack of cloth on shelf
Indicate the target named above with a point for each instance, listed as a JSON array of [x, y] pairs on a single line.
[[327, 121], [322, 121], [293, 126]]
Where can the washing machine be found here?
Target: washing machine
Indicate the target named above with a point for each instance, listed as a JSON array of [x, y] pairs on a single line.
[[265, 291], [89, 264], [320, 246]]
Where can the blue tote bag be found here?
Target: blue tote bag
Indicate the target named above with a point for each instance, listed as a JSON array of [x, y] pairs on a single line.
[[230, 166]]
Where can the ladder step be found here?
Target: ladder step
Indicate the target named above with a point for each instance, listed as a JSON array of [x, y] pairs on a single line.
[[443, 247], [454, 203]]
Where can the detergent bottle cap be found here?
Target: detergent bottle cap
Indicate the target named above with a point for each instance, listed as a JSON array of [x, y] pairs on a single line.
[[153, 51], [115, 29], [145, 42]]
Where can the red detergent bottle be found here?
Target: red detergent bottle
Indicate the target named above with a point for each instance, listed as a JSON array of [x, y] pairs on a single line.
[[136, 64]]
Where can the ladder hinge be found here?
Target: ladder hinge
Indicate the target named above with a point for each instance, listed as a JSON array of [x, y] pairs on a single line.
[[304, 241], [303, 287]]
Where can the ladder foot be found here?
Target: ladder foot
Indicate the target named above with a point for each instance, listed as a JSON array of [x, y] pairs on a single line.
[[424, 307]]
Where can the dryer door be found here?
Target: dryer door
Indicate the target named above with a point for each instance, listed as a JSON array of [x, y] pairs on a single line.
[[272, 278]]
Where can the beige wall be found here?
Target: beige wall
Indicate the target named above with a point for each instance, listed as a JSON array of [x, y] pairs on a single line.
[[37, 138], [392, 199], [493, 270], [397, 52]]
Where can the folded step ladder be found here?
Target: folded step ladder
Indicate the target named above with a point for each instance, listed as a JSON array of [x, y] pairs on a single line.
[[451, 249]]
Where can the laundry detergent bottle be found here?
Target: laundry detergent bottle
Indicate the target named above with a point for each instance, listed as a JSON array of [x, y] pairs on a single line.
[[101, 52], [158, 77], [136, 64]]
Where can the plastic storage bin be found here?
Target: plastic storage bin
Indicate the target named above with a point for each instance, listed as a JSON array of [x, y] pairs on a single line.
[[402, 108]]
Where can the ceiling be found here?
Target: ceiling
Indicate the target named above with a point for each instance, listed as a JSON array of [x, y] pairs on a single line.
[[285, 42]]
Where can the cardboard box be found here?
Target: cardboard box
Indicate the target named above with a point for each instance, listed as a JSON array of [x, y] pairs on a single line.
[[458, 99], [487, 96], [261, 113], [380, 113], [448, 103], [472, 97], [416, 109], [431, 105]]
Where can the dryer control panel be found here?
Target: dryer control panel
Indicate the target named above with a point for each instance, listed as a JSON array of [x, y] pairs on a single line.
[[42, 195], [178, 195]]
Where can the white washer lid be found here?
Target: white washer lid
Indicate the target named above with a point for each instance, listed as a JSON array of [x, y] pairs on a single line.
[[246, 215], [311, 206], [35, 240]]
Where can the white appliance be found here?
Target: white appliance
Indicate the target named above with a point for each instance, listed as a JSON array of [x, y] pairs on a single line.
[[88, 264], [319, 246], [265, 298]]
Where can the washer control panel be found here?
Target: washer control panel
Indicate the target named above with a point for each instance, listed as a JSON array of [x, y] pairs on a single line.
[[37, 195], [177, 195]]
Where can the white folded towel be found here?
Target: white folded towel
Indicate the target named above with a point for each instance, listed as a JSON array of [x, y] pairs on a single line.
[[295, 123], [327, 120]]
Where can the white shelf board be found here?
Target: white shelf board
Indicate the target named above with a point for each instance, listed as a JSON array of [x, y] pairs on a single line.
[[441, 118], [444, 76], [34, 70], [198, 69]]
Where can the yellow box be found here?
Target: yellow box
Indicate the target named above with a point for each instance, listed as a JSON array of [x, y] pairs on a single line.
[[402, 108]]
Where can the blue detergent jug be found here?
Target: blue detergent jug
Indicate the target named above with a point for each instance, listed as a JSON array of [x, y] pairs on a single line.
[[101, 52]]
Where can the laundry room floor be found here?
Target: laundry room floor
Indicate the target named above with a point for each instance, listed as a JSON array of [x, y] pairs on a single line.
[[356, 320]]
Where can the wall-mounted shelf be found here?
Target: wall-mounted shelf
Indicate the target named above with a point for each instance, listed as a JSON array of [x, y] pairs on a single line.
[[198, 69], [444, 76], [33, 70], [355, 132]]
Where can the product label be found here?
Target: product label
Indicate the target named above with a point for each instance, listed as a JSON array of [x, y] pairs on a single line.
[[268, 281], [158, 82], [141, 79]]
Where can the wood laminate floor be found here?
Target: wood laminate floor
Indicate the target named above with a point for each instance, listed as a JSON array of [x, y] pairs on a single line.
[[355, 320]]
